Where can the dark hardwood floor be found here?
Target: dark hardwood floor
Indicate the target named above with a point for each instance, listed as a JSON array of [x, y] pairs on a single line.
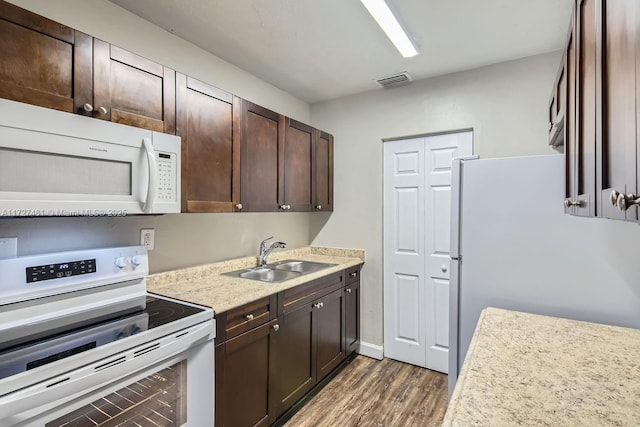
[[368, 392]]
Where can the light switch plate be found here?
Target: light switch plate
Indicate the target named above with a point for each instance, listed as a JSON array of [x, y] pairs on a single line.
[[8, 247]]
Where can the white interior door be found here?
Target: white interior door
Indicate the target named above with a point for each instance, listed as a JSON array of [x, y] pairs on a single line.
[[417, 217], [404, 290]]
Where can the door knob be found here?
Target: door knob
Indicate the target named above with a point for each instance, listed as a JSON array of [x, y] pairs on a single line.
[[444, 268]]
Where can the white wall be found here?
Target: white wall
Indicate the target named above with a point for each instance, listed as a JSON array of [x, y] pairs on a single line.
[[504, 104], [181, 239]]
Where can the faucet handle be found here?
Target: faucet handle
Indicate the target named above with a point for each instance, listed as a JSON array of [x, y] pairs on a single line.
[[263, 244]]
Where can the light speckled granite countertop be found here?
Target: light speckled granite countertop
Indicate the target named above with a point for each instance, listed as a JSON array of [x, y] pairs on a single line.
[[525, 369], [206, 286]]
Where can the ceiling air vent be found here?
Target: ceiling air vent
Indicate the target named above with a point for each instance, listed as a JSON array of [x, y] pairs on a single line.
[[395, 80]]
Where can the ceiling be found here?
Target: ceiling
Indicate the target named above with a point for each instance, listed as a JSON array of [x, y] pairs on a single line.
[[320, 50]]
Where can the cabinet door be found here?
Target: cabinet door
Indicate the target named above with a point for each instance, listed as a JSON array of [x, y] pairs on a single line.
[[261, 147], [293, 358], [132, 90], [570, 124], [242, 378], [208, 122], [331, 332], [323, 175], [586, 112], [298, 166], [43, 62], [352, 317], [557, 107], [618, 155]]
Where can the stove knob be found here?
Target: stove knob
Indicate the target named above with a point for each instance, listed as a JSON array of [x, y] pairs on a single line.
[[121, 262], [135, 329], [136, 260]]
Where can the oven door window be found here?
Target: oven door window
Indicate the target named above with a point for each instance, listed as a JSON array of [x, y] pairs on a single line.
[[159, 399]]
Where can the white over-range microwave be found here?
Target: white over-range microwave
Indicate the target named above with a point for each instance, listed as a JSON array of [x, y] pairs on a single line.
[[54, 163]]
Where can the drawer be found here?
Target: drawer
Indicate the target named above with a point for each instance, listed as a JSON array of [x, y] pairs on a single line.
[[244, 318], [290, 299], [353, 274]]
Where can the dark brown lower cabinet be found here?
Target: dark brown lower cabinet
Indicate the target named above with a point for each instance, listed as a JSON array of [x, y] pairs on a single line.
[[242, 378], [330, 347], [264, 371], [352, 316], [294, 358]]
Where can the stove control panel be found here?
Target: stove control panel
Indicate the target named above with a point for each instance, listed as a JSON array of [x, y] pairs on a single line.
[[60, 270]]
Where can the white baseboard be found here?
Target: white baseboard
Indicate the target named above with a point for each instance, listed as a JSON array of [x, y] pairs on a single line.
[[371, 350]]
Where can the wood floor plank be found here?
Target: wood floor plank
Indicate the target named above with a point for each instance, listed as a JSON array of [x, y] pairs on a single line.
[[368, 392]]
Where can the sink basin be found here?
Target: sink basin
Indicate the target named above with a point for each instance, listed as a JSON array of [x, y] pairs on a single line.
[[267, 274], [303, 267], [280, 271]]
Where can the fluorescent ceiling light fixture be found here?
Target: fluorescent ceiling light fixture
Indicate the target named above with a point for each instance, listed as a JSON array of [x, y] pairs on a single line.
[[381, 12]]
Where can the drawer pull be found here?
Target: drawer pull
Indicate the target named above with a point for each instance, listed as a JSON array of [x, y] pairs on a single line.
[[249, 317], [348, 290], [276, 327]]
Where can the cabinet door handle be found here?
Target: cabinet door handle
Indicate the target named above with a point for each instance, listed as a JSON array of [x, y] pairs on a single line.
[[249, 317], [102, 110], [568, 203], [87, 107], [348, 290], [276, 327], [354, 274], [288, 207], [239, 206], [319, 207], [625, 201], [613, 197], [318, 305]]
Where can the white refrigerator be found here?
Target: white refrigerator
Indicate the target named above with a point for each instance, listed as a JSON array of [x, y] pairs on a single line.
[[513, 247]]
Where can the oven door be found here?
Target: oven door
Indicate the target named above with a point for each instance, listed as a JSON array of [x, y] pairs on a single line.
[[165, 382]]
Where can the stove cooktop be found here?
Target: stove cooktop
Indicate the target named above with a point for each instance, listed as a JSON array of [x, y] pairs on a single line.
[[90, 334]]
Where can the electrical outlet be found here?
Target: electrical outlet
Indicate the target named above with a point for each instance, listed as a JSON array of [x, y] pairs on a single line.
[[147, 238]]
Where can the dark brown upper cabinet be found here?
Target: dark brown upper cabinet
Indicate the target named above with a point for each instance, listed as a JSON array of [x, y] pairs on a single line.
[[208, 120], [262, 153], [132, 90], [298, 168], [323, 172], [601, 119], [584, 35], [617, 174], [43, 62], [558, 107], [48, 64]]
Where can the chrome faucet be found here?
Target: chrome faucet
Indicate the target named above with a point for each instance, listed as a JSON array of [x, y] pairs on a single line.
[[265, 251]]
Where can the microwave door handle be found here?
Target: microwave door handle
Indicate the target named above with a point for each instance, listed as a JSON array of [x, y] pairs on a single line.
[[153, 175]]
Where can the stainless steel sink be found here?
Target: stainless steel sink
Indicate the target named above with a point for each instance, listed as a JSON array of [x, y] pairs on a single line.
[[279, 271], [304, 267], [268, 274]]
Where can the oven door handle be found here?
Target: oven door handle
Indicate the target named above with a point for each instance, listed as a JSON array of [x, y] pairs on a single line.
[[153, 175], [19, 406]]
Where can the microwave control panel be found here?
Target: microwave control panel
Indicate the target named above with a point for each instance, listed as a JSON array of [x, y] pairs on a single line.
[[167, 177]]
